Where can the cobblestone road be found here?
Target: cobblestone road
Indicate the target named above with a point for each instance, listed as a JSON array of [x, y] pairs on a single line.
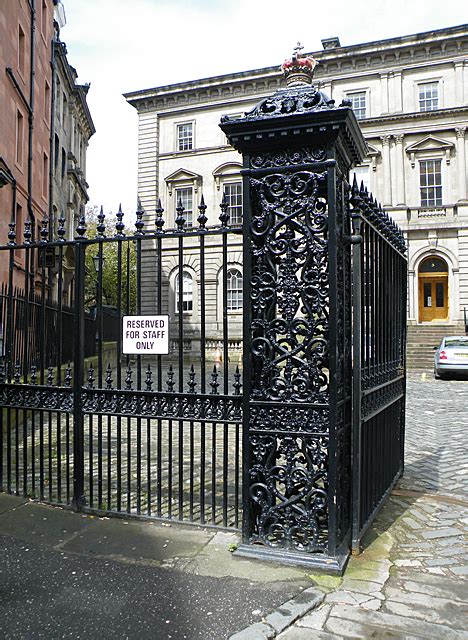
[[411, 581]]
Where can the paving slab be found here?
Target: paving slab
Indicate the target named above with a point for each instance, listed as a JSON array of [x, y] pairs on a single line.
[[133, 540], [33, 522], [8, 502]]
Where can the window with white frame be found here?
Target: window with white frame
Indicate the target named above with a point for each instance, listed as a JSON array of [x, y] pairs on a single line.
[[185, 136], [428, 93], [234, 290], [430, 183], [233, 194], [187, 292], [184, 197], [358, 101]]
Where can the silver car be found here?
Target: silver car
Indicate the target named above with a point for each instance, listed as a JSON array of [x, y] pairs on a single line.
[[451, 357]]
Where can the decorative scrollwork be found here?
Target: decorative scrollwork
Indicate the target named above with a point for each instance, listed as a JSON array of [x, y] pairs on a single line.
[[187, 406], [286, 157], [382, 396], [289, 287], [287, 102], [288, 489], [296, 419], [36, 397]]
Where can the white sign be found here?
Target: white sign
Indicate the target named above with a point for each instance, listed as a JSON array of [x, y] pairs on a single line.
[[145, 334]]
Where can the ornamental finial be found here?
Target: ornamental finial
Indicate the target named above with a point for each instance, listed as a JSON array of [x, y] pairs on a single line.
[[299, 69]]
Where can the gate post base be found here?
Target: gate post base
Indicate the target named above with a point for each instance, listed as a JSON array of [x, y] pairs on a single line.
[[317, 562]]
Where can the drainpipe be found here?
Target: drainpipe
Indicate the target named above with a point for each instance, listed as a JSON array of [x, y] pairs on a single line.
[[52, 161], [32, 75]]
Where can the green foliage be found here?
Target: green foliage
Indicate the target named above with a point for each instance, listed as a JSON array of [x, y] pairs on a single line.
[[112, 275]]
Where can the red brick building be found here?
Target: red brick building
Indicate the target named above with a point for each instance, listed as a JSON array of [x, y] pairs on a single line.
[[26, 34]]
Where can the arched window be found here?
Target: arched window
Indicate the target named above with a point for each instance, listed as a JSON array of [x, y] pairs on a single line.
[[234, 290], [187, 292], [433, 265]]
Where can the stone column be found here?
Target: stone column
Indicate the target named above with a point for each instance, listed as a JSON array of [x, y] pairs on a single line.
[[461, 163], [459, 82], [400, 169], [384, 92], [387, 175], [398, 92]]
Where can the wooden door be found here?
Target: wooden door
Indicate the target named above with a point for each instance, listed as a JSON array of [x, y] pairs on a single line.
[[433, 297]]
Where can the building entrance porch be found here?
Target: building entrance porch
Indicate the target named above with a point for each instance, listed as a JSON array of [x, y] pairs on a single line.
[[433, 290]]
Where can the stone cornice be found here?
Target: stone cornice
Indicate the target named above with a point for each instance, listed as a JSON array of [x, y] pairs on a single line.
[[422, 116], [392, 55]]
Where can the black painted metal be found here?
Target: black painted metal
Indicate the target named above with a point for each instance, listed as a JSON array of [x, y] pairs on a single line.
[[322, 411], [379, 342], [298, 149], [148, 436]]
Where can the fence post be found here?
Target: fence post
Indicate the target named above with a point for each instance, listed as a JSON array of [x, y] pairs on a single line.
[[297, 149], [357, 283], [78, 377]]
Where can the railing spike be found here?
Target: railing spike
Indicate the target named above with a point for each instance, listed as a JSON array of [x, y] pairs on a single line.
[[237, 384], [159, 220], [128, 379], [224, 215], [170, 379], [101, 227], [61, 231], [214, 384], [81, 228], [192, 383], [139, 224], [202, 219], [68, 376], [108, 376], [149, 382], [180, 220], [119, 225]]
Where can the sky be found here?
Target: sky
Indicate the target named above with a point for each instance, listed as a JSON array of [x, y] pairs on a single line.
[[120, 46]]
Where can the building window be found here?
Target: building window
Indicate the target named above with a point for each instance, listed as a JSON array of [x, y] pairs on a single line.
[[21, 49], [56, 151], [47, 104], [64, 109], [45, 174], [19, 138], [358, 103], [234, 290], [185, 137], [44, 18], [187, 293], [64, 162], [430, 183], [184, 197], [233, 194], [428, 96]]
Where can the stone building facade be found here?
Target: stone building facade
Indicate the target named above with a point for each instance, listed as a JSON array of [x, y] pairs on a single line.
[[410, 95], [72, 127]]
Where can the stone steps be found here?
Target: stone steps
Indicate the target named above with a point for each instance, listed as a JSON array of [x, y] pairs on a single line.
[[421, 342]]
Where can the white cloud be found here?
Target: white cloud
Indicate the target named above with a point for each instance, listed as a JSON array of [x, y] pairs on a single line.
[[120, 46]]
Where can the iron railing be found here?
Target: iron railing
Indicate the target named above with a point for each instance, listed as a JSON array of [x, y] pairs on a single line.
[[149, 435]]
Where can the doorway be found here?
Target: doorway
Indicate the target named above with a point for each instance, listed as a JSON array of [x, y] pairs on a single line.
[[433, 290]]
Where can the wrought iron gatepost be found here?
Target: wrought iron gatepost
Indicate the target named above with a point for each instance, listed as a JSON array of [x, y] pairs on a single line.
[[298, 149]]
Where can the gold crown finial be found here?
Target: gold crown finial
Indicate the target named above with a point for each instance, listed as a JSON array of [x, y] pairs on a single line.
[[299, 69]]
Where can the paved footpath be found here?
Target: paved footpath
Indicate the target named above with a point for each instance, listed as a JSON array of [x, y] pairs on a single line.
[[411, 581], [69, 575]]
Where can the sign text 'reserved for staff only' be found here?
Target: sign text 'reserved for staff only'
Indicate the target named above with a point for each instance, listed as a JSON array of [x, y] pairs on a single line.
[[145, 334]]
